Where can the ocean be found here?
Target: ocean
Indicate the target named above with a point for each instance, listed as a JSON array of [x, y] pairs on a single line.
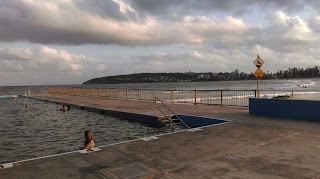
[[303, 88]]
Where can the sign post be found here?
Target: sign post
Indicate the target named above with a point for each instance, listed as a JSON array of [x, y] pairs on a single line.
[[258, 62]]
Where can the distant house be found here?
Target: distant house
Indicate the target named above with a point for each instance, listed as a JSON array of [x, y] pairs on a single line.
[[208, 75], [200, 76]]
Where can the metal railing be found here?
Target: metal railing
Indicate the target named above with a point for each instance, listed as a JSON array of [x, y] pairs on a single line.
[[210, 97], [168, 115]]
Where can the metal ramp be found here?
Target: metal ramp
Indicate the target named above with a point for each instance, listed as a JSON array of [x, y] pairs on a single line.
[[168, 117]]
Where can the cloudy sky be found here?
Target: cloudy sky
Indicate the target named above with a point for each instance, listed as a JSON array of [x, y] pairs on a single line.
[[44, 42]]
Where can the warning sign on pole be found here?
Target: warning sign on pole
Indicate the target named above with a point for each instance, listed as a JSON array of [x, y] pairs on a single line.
[[259, 73], [258, 62]]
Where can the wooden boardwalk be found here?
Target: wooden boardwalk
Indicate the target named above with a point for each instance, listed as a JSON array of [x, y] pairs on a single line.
[[249, 147]]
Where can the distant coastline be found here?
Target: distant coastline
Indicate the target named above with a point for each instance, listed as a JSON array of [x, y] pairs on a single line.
[[164, 77], [291, 73]]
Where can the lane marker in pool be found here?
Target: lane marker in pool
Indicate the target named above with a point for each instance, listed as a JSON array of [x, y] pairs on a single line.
[[194, 129], [6, 165], [85, 151], [150, 138]]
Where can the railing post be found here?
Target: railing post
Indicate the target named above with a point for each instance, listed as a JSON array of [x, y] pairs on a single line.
[[221, 97], [195, 97], [291, 94], [127, 94], [153, 96], [255, 93], [99, 92], [138, 94], [155, 109], [106, 92], [172, 96], [116, 93]]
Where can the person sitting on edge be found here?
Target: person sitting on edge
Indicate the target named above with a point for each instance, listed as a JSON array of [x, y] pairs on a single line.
[[89, 141]]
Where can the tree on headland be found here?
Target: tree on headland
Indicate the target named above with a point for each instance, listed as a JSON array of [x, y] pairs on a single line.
[[298, 73]]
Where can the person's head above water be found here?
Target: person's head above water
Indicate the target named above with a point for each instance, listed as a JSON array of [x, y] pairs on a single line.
[[89, 142], [88, 135], [63, 108]]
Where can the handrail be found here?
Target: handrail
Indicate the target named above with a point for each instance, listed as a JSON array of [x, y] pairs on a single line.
[[168, 117], [156, 98]]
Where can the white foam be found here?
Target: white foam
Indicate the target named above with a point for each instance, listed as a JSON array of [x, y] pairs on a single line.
[[85, 151], [150, 138], [6, 165], [9, 96]]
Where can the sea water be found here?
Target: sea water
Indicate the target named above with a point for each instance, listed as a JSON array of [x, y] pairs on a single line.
[[308, 89], [45, 130], [303, 85], [290, 84]]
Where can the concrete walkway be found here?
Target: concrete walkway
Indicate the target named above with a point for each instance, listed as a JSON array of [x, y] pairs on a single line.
[[249, 147]]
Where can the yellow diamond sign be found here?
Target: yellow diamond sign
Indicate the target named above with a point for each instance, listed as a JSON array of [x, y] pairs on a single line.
[[258, 73]]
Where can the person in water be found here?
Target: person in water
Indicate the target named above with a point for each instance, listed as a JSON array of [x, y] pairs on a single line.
[[64, 108], [89, 141]]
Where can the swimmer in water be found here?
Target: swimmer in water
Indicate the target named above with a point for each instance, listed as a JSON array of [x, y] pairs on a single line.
[[64, 108], [89, 141]]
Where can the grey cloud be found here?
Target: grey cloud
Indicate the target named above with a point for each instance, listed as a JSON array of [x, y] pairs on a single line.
[[239, 7], [182, 62], [47, 65], [102, 8], [101, 22], [63, 22], [315, 24], [12, 57]]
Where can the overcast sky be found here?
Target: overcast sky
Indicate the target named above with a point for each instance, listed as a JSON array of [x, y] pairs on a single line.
[[44, 42]]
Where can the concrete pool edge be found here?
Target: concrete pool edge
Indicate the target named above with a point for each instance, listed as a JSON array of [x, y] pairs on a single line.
[[149, 120], [132, 117], [155, 137]]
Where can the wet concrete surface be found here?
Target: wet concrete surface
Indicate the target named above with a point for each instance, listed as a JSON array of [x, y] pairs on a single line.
[[249, 147]]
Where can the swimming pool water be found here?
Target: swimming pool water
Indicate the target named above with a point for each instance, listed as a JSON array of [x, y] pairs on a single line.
[[45, 130]]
